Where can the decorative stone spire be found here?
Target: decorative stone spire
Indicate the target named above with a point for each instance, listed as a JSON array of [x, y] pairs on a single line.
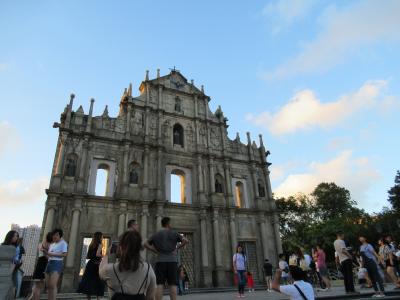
[[105, 112], [71, 101], [192, 81], [130, 90], [158, 73], [147, 75], [91, 107], [261, 140], [237, 137], [248, 138], [202, 89]]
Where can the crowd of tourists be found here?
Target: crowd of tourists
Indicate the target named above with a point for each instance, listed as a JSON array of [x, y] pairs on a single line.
[[127, 275]]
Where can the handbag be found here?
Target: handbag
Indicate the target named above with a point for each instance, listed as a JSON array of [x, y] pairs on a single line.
[[122, 296]]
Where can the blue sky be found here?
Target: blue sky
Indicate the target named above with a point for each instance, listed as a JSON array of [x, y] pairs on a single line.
[[319, 79]]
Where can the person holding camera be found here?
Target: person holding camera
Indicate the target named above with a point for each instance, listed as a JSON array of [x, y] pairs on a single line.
[[131, 277]]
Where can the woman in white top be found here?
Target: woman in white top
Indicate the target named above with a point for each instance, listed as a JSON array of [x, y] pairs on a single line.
[[239, 267], [131, 276], [56, 253]]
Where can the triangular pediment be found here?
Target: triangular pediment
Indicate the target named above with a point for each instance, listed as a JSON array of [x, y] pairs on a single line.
[[176, 81]]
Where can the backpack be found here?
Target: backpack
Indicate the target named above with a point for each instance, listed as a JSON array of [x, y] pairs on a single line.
[[122, 296]]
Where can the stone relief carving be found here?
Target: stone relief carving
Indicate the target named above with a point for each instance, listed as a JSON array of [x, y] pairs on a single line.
[[203, 135], [137, 123], [166, 132]]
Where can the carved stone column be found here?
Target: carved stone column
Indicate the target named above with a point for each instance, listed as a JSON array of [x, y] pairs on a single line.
[[264, 236], [51, 210], [232, 225], [145, 191], [207, 274], [228, 183], [200, 181], [160, 189], [159, 216], [83, 166], [69, 275], [143, 225], [219, 270], [143, 220], [212, 175]]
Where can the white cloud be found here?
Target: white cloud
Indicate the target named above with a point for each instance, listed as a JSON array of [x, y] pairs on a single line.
[[278, 171], [9, 138], [282, 13], [305, 110], [360, 24], [22, 192], [355, 174]]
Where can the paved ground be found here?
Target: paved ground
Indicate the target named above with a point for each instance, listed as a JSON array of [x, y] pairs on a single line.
[[334, 293]]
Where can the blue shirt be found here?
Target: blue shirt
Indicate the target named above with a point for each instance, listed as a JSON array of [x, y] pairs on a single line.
[[368, 250]]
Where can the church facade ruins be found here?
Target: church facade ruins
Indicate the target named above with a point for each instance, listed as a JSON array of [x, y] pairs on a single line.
[[165, 133]]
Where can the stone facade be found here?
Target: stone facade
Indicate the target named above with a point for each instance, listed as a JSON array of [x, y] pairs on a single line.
[[167, 130]]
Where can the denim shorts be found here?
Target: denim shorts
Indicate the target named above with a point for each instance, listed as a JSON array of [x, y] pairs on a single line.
[[54, 266]]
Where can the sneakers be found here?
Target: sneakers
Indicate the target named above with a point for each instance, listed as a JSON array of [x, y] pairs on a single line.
[[378, 296]]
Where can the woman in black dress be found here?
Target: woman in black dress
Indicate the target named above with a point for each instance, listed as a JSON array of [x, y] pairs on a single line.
[[91, 284], [41, 264]]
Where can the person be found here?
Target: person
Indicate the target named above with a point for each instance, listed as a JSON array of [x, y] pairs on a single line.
[[299, 290], [91, 284], [393, 249], [165, 244], [346, 263], [41, 264], [18, 273], [131, 277], [239, 267], [320, 258], [267, 274], [181, 280], [133, 225], [11, 239], [56, 253], [250, 281], [386, 259], [370, 259], [284, 267]]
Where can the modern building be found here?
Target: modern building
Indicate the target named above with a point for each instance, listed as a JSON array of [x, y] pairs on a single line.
[[31, 237], [167, 130]]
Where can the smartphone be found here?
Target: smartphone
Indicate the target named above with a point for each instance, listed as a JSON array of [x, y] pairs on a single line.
[[114, 247]]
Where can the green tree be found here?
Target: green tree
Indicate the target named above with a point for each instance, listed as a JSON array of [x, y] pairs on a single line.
[[332, 201], [394, 193]]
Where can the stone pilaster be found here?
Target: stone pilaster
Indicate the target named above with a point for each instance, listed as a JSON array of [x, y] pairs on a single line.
[[6, 267], [219, 270], [145, 190], [232, 226], [69, 274], [206, 270]]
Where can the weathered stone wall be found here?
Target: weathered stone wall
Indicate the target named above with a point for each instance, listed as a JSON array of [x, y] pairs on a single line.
[[141, 137]]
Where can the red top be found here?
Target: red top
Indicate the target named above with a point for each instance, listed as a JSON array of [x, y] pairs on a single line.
[[250, 281]]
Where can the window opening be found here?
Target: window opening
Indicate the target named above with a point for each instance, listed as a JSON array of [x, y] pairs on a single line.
[[178, 187], [101, 187], [178, 135], [239, 194]]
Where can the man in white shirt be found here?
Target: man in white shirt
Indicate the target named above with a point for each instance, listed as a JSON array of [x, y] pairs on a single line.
[[346, 262], [299, 290]]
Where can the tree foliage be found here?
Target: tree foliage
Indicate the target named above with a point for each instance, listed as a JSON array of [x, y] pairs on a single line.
[[394, 193], [307, 220]]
